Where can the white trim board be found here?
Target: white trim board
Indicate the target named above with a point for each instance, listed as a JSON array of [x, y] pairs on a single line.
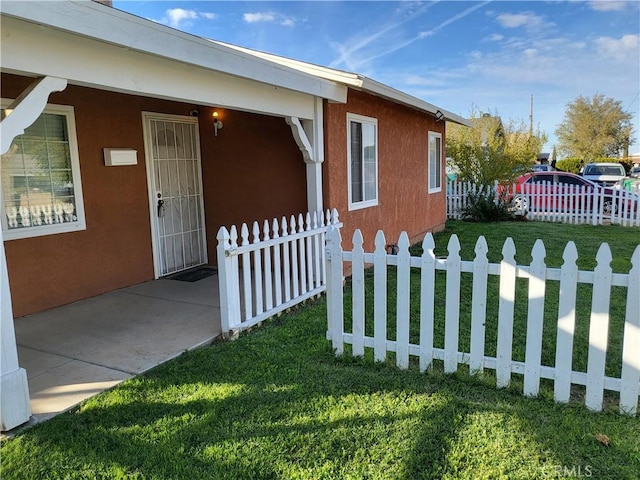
[[108, 25]]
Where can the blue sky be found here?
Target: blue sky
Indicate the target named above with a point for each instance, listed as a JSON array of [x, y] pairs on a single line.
[[488, 55]]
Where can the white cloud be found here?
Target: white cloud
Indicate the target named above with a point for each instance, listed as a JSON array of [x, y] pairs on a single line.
[[257, 17], [554, 69], [176, 16], [607, 5], [179, 17], [625, 49], [515, 20], [496, 37]]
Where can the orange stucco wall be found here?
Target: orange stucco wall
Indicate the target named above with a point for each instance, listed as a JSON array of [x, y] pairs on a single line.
[[251, 171], [404, 203]]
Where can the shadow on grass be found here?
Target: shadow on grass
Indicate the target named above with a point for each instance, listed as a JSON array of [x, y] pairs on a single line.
[[277, 404]]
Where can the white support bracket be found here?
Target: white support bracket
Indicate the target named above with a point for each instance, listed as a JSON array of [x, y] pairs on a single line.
[[301, 139], [309, 136], [26, 109]]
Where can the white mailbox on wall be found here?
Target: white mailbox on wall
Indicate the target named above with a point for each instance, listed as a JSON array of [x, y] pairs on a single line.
[[115, 157]]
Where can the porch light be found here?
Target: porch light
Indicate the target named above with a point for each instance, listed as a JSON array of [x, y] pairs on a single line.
[[439, 116], [217, 124]]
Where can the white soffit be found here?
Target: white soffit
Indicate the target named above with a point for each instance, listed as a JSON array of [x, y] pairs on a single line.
[[109, 25], [28, 48]]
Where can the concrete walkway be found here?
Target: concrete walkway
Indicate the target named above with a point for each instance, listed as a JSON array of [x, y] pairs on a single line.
[[73, 352]]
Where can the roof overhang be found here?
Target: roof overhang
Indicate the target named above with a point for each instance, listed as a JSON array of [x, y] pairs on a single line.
[[356, 81], [88, 26]]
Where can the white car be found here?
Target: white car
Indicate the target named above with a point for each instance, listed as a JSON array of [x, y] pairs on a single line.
[[541, 168], [606, 174]]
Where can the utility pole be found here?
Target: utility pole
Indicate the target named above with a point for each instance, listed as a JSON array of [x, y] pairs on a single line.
[[531, 117]]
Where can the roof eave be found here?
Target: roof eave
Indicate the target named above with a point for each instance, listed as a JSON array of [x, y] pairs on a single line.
[[107, 24], [354, 80], [398, 96]]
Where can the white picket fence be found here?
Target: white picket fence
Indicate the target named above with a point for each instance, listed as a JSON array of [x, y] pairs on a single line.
[[538, 275], [560, 203], [281, 266]]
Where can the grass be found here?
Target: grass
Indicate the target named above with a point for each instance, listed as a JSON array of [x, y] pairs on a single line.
[[277, 404]]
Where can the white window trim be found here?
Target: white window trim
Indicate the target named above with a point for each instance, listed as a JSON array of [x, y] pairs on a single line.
[[374, 122], [433, 135], [42, 230]]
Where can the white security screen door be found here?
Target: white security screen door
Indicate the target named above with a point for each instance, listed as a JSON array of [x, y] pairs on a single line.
[[177, 211]]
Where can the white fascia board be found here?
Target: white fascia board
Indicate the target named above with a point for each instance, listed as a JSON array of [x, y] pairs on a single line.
[[31, 50], [356, 81], [107, 24], [394, 95], [341, 76]]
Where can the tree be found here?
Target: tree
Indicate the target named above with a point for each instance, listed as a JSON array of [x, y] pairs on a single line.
[[490, 150], [595, 127]]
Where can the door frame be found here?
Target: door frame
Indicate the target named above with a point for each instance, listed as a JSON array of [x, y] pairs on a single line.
[[151, 194]]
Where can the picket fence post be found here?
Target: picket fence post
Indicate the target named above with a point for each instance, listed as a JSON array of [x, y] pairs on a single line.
[[630, 376], [566, 323], [357, 287], [246, 273], [427, 299], [228, 288], [479, 306], [505, 314], [335, 297], [257, 264], [402, 306], [452, 308], [380, 298], [598, 329], [535, 318]]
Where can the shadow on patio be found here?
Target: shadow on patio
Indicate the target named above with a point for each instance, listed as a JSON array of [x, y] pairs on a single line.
[[76, 351]]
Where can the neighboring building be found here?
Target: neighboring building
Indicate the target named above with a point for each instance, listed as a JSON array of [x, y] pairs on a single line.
[[123, 175], [543, 158]]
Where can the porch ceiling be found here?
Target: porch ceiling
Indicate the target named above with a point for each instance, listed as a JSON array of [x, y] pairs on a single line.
[[100, 47]]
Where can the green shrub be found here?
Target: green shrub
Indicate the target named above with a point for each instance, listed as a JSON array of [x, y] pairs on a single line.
[[482, 207], [572, 165], [627, 163]]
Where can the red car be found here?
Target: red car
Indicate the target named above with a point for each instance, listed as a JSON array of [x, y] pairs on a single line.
[[552, 191]]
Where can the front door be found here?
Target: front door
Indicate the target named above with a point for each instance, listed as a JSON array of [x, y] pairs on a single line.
[[175, 192]]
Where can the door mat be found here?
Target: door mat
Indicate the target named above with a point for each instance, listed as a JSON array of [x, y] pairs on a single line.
[[194, 274]]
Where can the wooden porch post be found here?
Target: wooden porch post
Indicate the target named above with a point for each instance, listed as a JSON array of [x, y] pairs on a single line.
[[15, 406]]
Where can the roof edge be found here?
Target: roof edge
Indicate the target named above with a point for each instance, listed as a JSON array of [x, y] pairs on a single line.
[[89, 19], [355, 80]]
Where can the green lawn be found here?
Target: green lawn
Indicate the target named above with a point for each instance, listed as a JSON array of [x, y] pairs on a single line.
[[277, 404]]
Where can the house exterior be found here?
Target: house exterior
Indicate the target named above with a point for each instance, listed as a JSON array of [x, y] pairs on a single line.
[[115, 171]]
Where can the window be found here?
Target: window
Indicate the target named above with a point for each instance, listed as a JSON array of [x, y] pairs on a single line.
[[568, 180], [435, 162], [40, 175], [362, 154]]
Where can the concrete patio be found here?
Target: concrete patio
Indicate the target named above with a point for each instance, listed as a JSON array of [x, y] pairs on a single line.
[[76, 351]]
